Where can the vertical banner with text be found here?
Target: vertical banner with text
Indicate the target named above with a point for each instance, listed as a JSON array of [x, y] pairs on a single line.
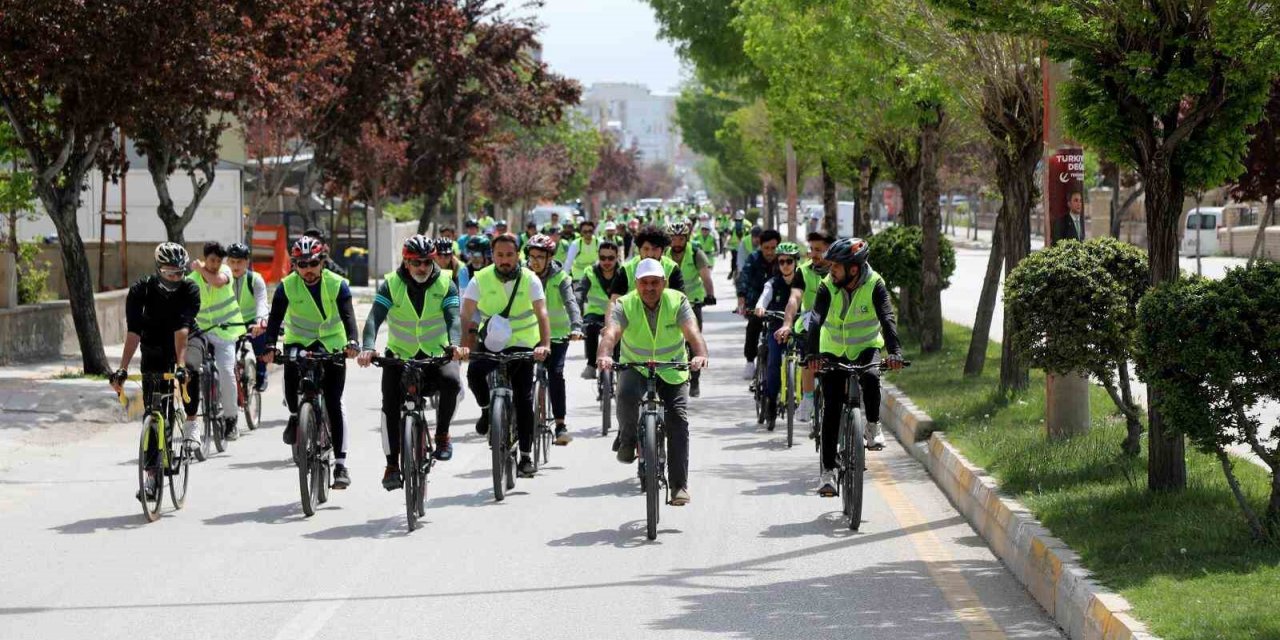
[[1064, 198]]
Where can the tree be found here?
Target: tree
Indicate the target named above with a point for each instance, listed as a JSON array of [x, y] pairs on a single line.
[[896, 254], [701, 114], [1261, 179], [523, 170], [657, 180], [618, 171], [17, 193], [708, 35], [63, 82], [1169, 87]]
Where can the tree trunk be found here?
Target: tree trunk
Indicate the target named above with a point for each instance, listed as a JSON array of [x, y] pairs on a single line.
[[61, 203], [1262, 230], [1166, 459], [931, 260], [868, 188], [1016, 175], [175, 224], [829, 207], [430, 207], [909, 183], [976, 361], [1132, 444]]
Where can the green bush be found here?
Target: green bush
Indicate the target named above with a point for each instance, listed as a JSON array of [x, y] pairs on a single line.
[[407, 211], [1210, 351], [895, 255], [33, 279]]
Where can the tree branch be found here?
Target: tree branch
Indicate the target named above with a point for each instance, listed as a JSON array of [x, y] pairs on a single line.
[[1254, 524]]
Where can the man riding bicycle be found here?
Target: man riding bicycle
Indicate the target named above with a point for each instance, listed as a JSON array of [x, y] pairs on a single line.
[[593, 296], [419, 302], [479, 256], [512, 295], [218, 307], [652, 244], [313, 304], [565, 319], [813, 271], [582, 251], [783, 289], [655, 323], [756, 270], [251, 291], [695, 270], [160, 311], [445, 259], [852, 320]]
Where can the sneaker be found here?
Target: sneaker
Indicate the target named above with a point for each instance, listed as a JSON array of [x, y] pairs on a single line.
[[291, 431], [617, 442], [680, 498], [695, 389], [444, 448], [261, 385], [391, 479], [193, 436], [232, 432], [875, 437], [526, 468], [770, 413], [588, 373], [341, 479], [827, 484], [749, 371], [626, 454], [562, 435], [806, 408], [482, 425], [150, 489]]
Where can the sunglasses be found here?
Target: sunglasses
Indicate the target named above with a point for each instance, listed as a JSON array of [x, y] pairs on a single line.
[[608, 258], [414, 262], [307, 264], [172, 273], [786, 261]]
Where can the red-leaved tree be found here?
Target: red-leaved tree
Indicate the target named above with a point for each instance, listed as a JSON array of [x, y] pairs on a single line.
[[618, 171], [1261, 179]]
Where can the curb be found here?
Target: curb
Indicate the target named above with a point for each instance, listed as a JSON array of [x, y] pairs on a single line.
[[84, 400], [1045, 565]]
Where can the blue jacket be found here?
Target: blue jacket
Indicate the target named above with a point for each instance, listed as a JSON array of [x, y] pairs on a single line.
[[754, 273]]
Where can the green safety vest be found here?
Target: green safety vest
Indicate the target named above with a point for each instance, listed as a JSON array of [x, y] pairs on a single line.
[[562, 251], [708, 245], [812, 280], [640, 344], [218, 306], [248, 303], [693, 287], [409, 332], [858, 329], [668, 266], [303, 322], [588, 253], [557, 314], [485, 223], [597, 297], [493, 299]]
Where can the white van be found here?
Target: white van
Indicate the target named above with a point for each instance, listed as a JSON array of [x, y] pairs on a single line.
[[1201, 222]]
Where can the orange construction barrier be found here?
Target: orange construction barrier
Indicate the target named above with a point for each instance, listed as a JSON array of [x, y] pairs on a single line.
[[271, 252]]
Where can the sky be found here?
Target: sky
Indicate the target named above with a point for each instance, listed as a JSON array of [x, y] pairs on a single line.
[[608, 41]]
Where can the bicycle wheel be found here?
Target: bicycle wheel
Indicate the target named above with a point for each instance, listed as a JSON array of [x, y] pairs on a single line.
[[409, 469], [859, 469], [322, 470], [306, 457], [252, 397], [498, 446], [512, 442], [606, 401], [179, 473], [649, 453], [539, 420], [150, 435], [422, 440], [213, 426], [762, 363], [789, 398], [844, 460]]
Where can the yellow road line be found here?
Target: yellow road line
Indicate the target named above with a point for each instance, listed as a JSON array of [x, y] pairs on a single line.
[[959, 595]]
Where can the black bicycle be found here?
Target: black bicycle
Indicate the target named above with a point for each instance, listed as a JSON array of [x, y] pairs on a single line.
[[249, 399], [543, 423], [158, 458], [313, 448], [502, 420], [652, 440], [605, 391], [416, 452], [851, 453], [758, 381]]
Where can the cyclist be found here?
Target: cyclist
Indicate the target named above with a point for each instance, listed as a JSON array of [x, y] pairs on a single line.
[[582, 252], [419, 303], [593, 296], [562, 245], [737, 234], [852, 320], [530, 230], [160, 311], [493, 292], [499, 228], [471, 229], [251, 290], [651, 242], [565, 318], [784, 289], [655, 323], [445, 260], [314, 307], [447, 233], [479, 256], [611, 234], [695, 270], [755, 271], [813, 271], [706, 240], [486, 223], [218, 306], [315, 232]]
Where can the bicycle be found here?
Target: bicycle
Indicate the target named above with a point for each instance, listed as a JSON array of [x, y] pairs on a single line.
[[605, 391], [156, 429], [543, 432], [758, 384], [248, 398], [312, 449], [851, 453], [502, 437], [790, 392], [213, 419], [416, 452], [652, 441]]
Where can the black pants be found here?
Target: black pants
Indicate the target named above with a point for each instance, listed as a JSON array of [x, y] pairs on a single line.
[[752, 345], [833, 395], [675, 420], [445, 379], [335, 382], [695, 376], [521, 390], [555, 379], [592, 337]]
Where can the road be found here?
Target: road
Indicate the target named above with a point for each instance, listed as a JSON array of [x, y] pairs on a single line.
[[756, 554]]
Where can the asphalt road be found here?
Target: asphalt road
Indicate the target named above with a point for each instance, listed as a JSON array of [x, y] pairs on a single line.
[[756, 554]]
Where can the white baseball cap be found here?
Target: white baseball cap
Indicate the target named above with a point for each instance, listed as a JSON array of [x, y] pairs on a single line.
[[649, 268], [610, 226]]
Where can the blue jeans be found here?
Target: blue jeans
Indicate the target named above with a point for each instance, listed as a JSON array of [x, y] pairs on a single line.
[[773, 374]]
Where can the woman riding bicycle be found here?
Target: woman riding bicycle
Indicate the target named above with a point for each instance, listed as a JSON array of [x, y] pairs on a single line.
[[784, 287], [852, 320]]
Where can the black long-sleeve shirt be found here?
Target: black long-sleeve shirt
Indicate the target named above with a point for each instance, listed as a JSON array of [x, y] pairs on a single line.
[[156, 314], [884, 311], [280, 304]]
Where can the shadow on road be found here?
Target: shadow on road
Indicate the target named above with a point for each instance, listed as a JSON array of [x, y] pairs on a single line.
[[111, 523], [374, 529], [266, 465], [620, 488], [630, 534], [274, 514]]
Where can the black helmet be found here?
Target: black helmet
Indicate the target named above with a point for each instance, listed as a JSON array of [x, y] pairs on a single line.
[[238, 250], [848, 251], [444, 246]]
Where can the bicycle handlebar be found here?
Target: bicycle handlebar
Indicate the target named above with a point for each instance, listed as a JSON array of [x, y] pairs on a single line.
[[652, 366], [298, 355], [394, 361], [179, 374], [832, 365], [501, 358]]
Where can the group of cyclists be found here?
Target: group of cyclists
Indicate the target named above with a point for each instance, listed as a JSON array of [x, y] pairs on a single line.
[[633, 294]]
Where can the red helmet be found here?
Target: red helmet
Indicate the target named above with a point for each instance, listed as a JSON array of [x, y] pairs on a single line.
[[542, 242], [419, 247], [308, 248]]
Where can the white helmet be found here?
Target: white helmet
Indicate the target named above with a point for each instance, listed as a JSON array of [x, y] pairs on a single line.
[[739, 215]]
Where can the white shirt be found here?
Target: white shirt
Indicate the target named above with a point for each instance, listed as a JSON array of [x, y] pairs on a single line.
[[535, 291]]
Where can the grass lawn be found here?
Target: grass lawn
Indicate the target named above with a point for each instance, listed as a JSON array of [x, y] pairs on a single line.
[[1186, 561]]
